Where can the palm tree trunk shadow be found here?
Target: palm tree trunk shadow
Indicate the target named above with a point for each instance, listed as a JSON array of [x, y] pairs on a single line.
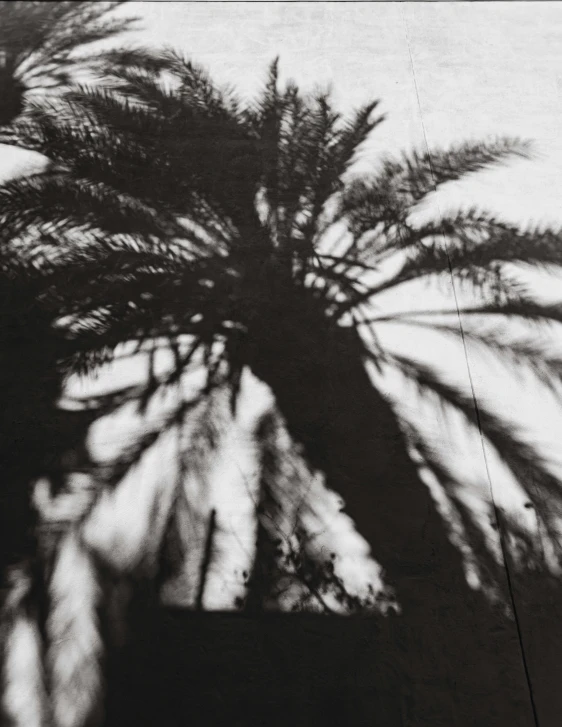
[[447, 634], [449, 658]]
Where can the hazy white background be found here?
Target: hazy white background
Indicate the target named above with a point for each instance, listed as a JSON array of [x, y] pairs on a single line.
[[449, 70]]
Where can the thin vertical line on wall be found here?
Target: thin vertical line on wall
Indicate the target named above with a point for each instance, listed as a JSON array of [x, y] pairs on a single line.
[[477, 410]]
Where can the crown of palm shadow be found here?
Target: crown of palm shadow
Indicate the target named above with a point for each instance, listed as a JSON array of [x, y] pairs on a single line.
[[175, 212]]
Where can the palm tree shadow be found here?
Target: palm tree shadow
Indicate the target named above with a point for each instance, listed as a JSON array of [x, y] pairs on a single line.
[[448, 636], [449, 657]]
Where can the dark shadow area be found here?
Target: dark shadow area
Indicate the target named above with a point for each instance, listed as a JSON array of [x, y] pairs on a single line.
[[539, 606], [35, 435], [227, 669]]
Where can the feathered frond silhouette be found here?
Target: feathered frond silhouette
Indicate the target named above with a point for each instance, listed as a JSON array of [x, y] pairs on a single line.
[[44, 45]]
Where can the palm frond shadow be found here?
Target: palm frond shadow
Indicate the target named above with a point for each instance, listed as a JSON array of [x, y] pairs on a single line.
[[44, 45]]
